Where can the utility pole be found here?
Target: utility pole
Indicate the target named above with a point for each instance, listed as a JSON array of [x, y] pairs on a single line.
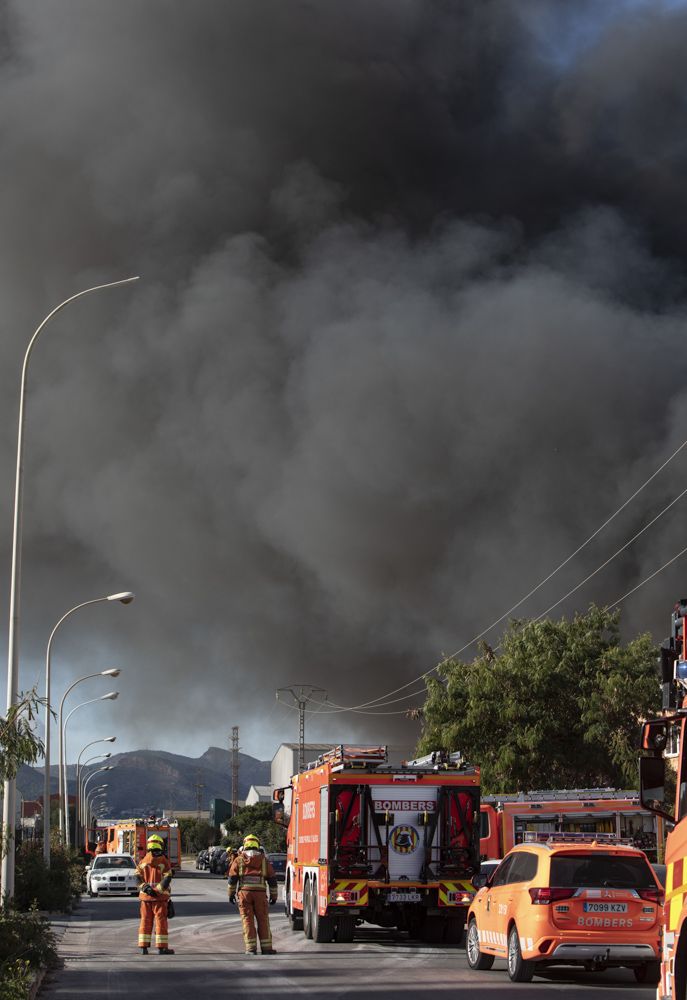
[[302, 695], [234, 770], [199, 795]]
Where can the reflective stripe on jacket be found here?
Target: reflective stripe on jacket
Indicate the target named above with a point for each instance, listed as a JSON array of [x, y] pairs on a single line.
[[252, 870]]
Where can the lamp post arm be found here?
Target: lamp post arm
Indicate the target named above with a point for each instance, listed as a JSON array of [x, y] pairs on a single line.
[[46, 776], [63, 746], [10, 785], [61, 754]]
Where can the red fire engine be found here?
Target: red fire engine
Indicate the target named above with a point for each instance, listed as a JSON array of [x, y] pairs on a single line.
[[392, 846], [664, 791], [505, 819], [129, 836]]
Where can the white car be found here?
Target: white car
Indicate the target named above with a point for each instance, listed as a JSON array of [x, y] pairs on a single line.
[[112, 874]]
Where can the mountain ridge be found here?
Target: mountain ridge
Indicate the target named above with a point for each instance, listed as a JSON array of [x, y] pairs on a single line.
[[145, 781]]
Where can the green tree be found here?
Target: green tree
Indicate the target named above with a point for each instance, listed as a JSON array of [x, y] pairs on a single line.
[[256, 819], [558, 707], [19, 743], [196, 834]]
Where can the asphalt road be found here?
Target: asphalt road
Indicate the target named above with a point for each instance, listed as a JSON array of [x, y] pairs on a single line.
[[101, 960]]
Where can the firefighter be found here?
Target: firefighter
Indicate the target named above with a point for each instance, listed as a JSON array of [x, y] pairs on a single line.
[[101, 846], [155, 873], [249, 876]]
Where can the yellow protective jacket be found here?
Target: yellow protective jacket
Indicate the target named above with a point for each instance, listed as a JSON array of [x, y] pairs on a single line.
[[153, 870], [252, 870]]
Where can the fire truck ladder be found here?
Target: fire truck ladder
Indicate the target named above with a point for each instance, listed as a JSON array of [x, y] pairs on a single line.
[[344, 755]]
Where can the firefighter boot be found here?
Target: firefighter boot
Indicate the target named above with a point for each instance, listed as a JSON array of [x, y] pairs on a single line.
[[144, 951], [269, 951], [165, 951]]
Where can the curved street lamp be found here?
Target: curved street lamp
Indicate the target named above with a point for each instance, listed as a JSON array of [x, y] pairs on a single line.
[[125, 597], [62, 770], [110, 696], [77, 809], [10, 785], [108, 767]]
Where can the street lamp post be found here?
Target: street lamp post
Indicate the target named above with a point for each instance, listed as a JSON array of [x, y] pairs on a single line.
[[110, 696], [104, 739], [10, 784], [94, 804], [124, 598], [108, 767], [114, 672], [77, 807]]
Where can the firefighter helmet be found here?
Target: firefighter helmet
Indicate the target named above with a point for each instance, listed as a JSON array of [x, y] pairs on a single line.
[[155, 843], [251, 842]]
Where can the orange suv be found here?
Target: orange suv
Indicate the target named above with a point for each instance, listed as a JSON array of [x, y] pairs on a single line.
[[569, 900]]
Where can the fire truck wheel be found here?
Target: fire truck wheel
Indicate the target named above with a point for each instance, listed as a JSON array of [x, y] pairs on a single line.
[[294, 918], [307, 910], [680, 988], [476, 959], [322, 927], [345, 930], [454, 931], [650, 972], [519, 971]]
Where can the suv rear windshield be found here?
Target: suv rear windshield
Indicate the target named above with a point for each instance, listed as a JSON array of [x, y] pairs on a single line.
[[597, 870]]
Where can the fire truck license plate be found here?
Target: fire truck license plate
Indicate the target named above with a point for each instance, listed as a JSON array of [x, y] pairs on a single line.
[[605, 907], [403, 897]]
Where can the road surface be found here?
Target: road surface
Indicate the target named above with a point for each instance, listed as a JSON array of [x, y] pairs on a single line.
[[102, 962]]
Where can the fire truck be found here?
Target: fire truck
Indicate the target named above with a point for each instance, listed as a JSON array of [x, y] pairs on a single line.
[[395, 846], [129, 836], [505, 819], [663, 790]]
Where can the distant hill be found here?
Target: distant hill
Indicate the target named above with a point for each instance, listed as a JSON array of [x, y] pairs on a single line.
[[145, 781]]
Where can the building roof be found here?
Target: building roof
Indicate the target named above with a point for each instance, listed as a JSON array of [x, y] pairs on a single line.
[[263, 790], [307, 746]]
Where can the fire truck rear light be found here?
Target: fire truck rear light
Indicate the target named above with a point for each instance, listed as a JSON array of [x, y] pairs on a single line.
[[546, 895], [345, 896], [466, 899]]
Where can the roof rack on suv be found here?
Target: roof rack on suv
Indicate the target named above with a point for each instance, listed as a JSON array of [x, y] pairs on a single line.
[[532, 837]]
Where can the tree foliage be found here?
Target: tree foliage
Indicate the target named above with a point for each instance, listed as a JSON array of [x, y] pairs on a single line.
[[558, 707], [197, 834], [256, 819], [19, 743]]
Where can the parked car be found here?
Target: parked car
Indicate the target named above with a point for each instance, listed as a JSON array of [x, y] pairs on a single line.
[[278, 862], [568, 901], [202, 860], [112, 875], [218, 861]]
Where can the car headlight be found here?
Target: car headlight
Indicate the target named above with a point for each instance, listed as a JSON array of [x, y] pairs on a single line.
[[97, 878]]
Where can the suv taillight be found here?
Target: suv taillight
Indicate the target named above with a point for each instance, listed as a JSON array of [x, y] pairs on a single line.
[[546, 895], [652, 895]]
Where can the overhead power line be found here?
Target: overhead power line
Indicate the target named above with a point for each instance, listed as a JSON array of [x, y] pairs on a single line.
[[381, 700]]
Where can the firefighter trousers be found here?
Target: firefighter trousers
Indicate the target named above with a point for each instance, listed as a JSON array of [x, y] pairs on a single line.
[[254, 908], [153, 911]]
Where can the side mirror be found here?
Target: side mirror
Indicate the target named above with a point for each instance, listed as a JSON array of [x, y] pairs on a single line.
[[479, 881], [652, 790], [654, 736]]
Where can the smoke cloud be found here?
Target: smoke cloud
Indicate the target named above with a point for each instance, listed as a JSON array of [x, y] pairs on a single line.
[[409, 328]]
